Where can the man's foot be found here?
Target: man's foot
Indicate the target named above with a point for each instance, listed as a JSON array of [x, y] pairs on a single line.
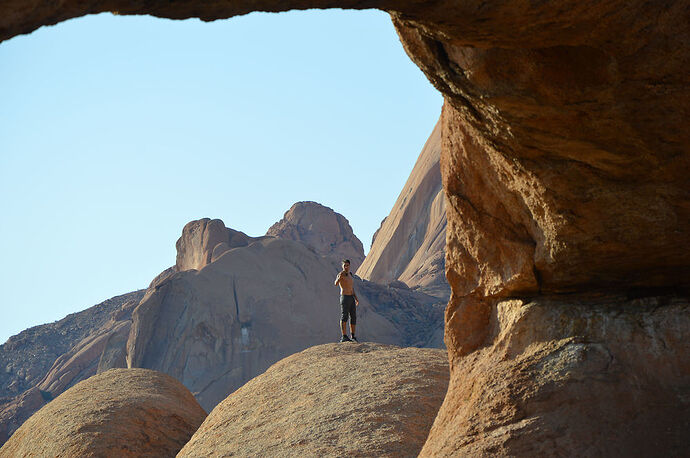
[[354, 339], [345, 338]]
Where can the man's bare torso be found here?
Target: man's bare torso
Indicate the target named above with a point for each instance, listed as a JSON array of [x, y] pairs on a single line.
[[346, 283]]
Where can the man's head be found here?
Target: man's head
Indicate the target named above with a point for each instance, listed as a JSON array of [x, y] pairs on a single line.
[[346, 265]]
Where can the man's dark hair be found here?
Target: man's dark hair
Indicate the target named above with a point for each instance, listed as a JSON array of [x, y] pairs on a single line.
[[346, 261]]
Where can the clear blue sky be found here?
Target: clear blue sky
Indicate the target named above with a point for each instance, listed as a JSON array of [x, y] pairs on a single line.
[[116, 131]]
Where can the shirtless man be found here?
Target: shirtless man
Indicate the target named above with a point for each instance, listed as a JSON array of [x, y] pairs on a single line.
[[348, 302]]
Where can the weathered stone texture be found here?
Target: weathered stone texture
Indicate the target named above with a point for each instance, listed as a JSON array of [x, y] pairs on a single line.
[[202, 241], [605, 376], [74, 344], [331, 400], [121, 412]]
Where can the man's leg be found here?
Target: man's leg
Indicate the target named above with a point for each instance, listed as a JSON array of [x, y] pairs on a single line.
[[343, 327], [343, 319], [343, 316], [353, 319]]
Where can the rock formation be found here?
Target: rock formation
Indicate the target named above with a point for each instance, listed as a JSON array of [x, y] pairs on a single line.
[[330, 400], [204, 240], [233, 327], [410, 244], [595, 377], [121, 412], [27, 357], [565, 166], [218, 327], [42, 362], [328, 232]]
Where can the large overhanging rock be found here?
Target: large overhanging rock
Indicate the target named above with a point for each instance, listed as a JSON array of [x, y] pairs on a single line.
[[564, 160]]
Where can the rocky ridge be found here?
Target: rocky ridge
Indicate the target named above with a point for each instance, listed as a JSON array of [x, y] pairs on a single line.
[[220, 278], [27, 356]]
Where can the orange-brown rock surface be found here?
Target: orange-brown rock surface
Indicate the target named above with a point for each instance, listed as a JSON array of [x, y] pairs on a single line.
[[121, 412], [598, 376], [410, 244], [565, 165], [330, 400], [318, 226]]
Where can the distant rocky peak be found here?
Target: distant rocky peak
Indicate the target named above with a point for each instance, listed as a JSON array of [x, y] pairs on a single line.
[[409, 246], [325, 230], [204, 240]]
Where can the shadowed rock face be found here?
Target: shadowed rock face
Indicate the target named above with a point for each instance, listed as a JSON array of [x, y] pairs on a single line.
[[27, 357], [328, 232], [564, 162], [410, 244], [121, 412], [331, 400]]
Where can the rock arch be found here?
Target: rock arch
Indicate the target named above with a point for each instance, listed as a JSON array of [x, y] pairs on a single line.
[[565, 166]]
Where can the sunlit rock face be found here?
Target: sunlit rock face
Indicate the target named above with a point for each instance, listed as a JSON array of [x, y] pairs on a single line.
[[598, 376], [203, 240], [319, 227], [566, 154], [409, 245], [565, 166]]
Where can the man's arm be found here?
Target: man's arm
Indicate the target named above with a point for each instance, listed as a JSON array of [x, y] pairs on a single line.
[[337, 279], [355, 294]]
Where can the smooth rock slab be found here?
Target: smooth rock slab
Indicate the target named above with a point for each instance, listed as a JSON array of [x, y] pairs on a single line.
[[121, 412], [331, 400]]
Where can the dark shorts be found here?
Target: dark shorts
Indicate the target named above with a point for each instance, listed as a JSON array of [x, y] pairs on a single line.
[[348, 308]]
